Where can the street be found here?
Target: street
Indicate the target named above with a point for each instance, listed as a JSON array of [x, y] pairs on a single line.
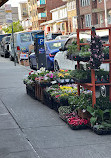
[[29, 129]]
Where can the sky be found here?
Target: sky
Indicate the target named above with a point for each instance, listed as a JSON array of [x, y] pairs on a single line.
[[14, 3]]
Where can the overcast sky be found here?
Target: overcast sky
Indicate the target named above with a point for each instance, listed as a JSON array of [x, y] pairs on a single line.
[[14, 3]]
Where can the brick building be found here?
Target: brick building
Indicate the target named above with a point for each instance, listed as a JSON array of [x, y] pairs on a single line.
[[95, 13], [40, 11]]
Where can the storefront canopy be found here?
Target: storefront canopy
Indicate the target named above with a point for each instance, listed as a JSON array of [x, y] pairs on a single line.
[[2, 2]]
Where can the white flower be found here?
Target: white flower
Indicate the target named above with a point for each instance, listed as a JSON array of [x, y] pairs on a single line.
[[83, 110], [32, 73], [39, 71]]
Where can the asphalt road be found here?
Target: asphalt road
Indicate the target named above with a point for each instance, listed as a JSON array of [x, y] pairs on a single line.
[[29, 129]]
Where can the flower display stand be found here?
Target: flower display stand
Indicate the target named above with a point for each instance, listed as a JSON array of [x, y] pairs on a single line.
[[91, 86]]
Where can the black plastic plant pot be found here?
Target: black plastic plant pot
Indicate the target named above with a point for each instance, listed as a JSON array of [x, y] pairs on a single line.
[[64, 102], [30, 90], [45, 84], [47, 99], [79, 127], [77, 58], [101, 131], [85, 59], [56, 105]]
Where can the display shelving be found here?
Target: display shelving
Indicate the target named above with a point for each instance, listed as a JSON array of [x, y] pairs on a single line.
[[92, 86]]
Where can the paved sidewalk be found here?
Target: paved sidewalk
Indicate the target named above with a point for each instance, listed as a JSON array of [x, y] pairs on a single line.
[[29, 129]]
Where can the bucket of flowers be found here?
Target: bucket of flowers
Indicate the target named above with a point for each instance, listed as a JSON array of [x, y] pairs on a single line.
[[76, 123], [30, 83]]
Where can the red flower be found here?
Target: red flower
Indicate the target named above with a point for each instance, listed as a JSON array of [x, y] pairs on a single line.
[[30, 72]]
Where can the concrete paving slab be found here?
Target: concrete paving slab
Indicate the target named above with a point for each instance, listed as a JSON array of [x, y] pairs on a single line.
[[22, 154], [70, 152], [7, 122], [13, 141], [63, 136]]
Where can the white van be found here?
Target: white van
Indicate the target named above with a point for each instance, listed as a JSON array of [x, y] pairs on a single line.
[[22, 40]]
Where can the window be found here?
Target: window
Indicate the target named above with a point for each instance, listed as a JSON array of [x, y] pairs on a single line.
[[101, 19], [88, 20], [25, 37], [69, 42], [55, 45], [84, 3], [99, 1], [71, 5]]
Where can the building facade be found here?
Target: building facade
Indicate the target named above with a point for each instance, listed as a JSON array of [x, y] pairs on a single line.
[[95, 13], [40, 11], [24, 16]]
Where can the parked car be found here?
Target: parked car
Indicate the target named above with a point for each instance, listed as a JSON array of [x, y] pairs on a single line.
[[62, 37], [51, 48], [60, 59], [52, 36], [5, 46], [22, 40]]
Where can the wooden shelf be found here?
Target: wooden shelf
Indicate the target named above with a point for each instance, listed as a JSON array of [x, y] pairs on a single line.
[[91, 86]]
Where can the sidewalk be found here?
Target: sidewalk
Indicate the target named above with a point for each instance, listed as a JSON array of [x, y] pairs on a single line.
[[29, 129]]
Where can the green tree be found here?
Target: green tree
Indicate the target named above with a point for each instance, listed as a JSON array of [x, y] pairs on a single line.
[[16, 27]]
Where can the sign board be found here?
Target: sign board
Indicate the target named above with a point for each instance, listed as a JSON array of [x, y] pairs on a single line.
[[23, 56], [8, 12]]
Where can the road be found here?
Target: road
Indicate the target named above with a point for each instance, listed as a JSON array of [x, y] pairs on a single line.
[[29, 129]]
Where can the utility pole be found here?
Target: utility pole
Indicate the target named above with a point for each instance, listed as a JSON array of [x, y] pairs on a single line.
[[13, 45], [105, 9]]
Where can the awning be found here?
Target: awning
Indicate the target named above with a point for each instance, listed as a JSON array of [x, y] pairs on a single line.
[[54, 21], [47, 22], [2, 2]]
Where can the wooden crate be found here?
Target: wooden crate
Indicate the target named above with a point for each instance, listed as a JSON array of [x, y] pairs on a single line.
[[24, 62]]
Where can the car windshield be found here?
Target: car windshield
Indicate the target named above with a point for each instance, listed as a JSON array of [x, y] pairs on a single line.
[[8, 39], [55, 45], [25, 37]]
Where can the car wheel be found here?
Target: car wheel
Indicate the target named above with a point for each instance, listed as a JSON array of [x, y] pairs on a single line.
[[31, 65], [104, 91], [11, 58], [56, 66]]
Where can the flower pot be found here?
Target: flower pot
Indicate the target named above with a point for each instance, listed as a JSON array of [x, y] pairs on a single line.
[[30, 90]]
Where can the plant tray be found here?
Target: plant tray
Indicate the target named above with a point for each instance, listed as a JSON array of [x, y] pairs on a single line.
[[30, 90], [82, 80], [47, 99], [101, 131]]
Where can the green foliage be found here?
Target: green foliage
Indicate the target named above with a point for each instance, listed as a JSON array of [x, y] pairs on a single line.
[[32, 77], [81, 101], [72, 49], [106, 50], [79, 74], [16, 27], [65, 109]]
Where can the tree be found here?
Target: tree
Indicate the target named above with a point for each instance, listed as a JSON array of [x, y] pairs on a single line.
[[16, 27]]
